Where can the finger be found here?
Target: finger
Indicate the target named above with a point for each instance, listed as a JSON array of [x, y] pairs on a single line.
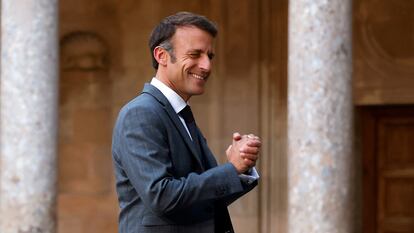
[[249, 163], [253, 157], [249, 150], [228, 149], [254, 143], [252, 136], [237, 136]]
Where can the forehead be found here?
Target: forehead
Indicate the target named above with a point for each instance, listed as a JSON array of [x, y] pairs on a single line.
[[190, 37]]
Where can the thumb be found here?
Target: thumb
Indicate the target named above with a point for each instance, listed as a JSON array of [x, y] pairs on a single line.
[[237, 136], [228, 150]]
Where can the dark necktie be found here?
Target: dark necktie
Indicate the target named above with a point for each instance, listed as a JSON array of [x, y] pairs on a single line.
[[188, 117]]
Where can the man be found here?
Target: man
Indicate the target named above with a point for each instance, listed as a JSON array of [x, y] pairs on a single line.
[[167, 179]]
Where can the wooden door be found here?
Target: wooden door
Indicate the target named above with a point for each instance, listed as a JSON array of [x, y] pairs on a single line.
[[388, 162]]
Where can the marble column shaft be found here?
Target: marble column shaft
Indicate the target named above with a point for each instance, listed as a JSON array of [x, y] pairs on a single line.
[[320, 116], [28, 123]]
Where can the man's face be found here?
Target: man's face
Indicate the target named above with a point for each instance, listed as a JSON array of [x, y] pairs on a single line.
[[193, 50]]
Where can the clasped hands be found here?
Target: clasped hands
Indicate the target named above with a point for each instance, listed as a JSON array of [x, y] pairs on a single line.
[[243, 152]]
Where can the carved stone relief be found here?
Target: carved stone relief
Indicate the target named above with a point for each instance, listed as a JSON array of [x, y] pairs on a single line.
[[85, 115], [387, 34], [84, 51], [383, 52]]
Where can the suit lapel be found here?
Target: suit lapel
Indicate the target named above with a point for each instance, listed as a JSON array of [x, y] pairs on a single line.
[[210, 160], [183, 132], [148, 88]]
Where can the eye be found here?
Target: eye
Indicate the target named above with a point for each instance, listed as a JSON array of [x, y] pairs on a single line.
[[194, 55], [211, 56]]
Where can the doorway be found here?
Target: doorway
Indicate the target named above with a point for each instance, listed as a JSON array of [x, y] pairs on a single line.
[[388, 169]]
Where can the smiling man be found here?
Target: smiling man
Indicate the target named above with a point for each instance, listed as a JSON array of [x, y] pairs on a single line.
[[167, 179]]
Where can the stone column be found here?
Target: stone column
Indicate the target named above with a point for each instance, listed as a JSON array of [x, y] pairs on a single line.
[[320, 114], [28, 123]]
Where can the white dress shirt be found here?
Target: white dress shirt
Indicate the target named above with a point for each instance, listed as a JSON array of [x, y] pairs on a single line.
[[175, 100]]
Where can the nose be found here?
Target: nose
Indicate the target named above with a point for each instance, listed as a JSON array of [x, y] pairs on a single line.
[[204, 63]]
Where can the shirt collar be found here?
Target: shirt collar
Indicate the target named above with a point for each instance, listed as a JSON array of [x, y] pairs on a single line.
[[175, 100]]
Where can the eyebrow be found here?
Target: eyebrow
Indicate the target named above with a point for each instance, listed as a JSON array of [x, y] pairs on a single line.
[[195, 51]]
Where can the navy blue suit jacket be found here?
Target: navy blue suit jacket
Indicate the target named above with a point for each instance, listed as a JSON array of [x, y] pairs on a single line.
[[162, 183]]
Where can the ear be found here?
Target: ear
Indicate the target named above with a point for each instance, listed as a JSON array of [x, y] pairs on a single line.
[[161, 55]]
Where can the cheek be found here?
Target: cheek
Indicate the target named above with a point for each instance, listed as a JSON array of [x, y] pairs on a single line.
[[191, 64]]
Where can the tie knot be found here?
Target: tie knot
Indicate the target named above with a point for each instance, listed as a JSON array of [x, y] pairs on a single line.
[[187, 114]]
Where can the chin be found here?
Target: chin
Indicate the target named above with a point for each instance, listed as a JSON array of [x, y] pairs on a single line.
[[200, 92]]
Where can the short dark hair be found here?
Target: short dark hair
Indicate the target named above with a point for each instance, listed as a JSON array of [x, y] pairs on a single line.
[[165, 30]]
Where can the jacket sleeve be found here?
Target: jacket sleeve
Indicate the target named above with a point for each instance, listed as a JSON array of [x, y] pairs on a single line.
[[143, 152]]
